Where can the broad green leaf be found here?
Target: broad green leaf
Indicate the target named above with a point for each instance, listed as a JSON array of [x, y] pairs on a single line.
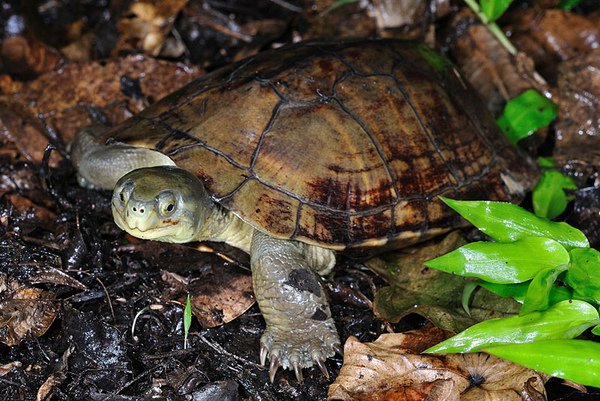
[[506, 222], [567, 319], [568, 4], [524, 114], [503, 263], [575, 360], [493, 9], [538, 293], [519, 291], [584, 274], [549, 197]]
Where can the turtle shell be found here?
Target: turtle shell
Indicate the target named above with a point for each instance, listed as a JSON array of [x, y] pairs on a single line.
[[340, 144]]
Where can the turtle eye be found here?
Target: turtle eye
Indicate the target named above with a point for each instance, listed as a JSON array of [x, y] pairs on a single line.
[[167, 203], [122, 194]]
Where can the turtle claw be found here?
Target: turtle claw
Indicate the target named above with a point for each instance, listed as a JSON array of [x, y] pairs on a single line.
[[273, 366], [322, 367], [264, 351], [298, 371], [299, 350]]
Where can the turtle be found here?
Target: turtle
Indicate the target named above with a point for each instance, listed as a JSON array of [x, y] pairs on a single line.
[[298, 153]]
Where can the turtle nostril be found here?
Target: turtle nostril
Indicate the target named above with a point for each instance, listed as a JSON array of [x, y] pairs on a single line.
[[142, 211], [134, 209]]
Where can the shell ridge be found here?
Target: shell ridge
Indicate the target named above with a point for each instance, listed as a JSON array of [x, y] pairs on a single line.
[[426, 130], [264, 132], [174, 132], [376, 145]]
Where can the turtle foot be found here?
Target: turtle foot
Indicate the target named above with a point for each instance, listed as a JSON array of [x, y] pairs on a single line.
[[296, 350]]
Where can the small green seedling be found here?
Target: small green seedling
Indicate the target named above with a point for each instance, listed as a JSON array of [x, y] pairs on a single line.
[[187, 320]]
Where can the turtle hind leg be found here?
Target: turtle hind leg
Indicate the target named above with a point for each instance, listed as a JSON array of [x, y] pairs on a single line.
[[300, 331], [100, 165]]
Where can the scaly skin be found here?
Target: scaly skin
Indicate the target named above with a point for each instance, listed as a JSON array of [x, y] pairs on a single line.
[[166, 203]]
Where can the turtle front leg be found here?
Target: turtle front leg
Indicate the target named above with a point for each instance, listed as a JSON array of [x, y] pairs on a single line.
[[101, 165], [300, 331]]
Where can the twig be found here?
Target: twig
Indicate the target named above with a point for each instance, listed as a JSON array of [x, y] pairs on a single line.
[[287, 5]]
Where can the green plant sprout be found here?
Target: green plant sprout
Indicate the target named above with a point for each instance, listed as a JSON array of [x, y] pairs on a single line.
[[488, 11], [187, 320]]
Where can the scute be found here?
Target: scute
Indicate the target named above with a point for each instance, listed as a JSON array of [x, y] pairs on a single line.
[[338, 144]]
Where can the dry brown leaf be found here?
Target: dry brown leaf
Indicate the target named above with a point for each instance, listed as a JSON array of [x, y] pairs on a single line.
[[24, 311], [542, 35], [350, 20], [7, 367], [221, 296], [147, 25], [391, 368], [494, 73], [51, 275], [577, 148], [20, 127], [409, 19], [45, 392], [25, 207], [27, 57], [66, 98]]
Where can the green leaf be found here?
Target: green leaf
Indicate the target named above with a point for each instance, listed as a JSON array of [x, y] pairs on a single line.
[[519, 291], [547, 162], [549, 197], [567, 319], [584, 274], [470, 287], [524, 114], [503, 263], [516, 291], [596, 330], [506, 222], [187, 319], [538, 293], [568, 4], [575, 360], [493, 9]]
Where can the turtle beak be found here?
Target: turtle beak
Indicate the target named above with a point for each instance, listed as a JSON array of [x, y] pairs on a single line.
[[136, 216]]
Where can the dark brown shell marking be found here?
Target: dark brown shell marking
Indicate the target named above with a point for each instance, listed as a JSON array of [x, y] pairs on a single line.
[[339, 144]]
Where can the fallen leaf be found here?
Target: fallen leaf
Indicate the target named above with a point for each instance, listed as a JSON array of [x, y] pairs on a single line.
[[577, 149], [147, 25], [7, 367], [542, 35], [221, 295], [488, 66], [79, 94], [27, 57], [24, 311], [391, 368]]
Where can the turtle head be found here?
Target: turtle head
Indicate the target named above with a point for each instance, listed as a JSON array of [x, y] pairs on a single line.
[[162, 203]]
